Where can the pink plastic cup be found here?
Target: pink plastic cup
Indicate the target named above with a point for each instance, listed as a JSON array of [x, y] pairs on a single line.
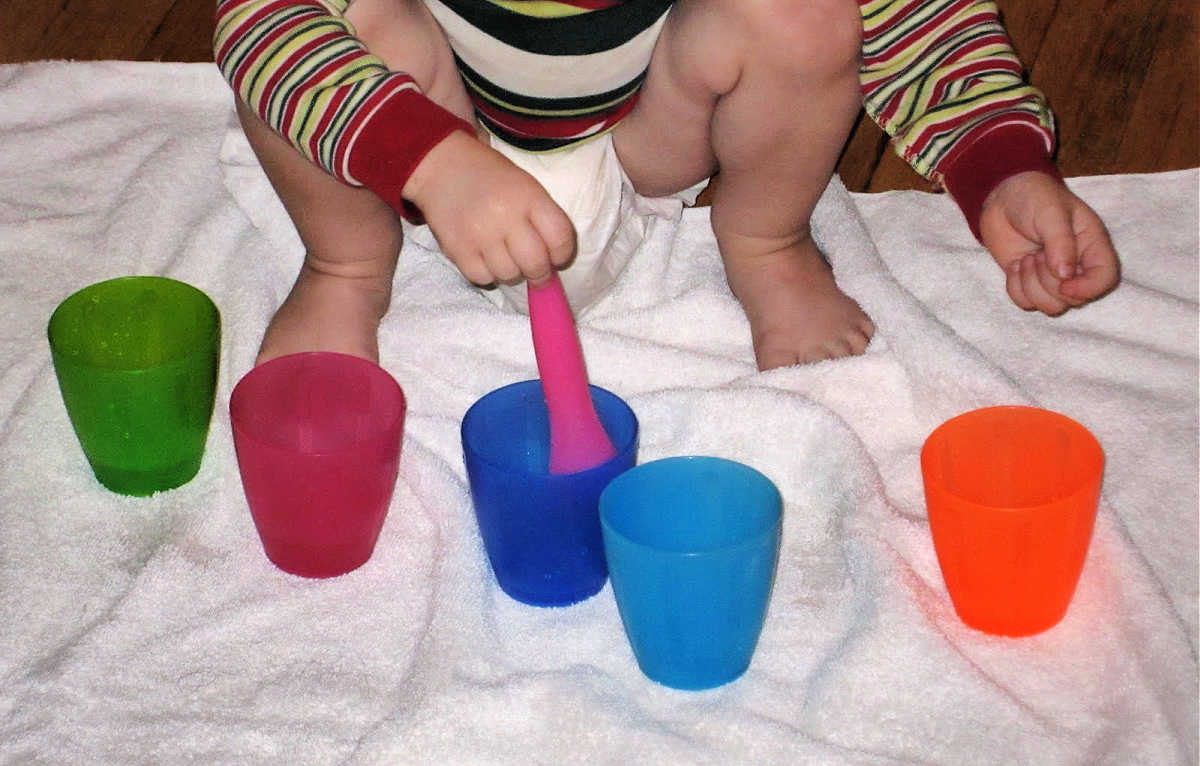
[[318, 446]]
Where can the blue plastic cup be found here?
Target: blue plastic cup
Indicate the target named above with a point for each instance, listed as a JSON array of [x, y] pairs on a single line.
[[541, 530], [692, 544]]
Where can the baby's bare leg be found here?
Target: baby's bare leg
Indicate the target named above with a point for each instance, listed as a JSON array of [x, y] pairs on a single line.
[[352, 238], [767, 92]]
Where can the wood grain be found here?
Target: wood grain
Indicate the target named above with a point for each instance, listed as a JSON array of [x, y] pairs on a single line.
[[1123, 76]]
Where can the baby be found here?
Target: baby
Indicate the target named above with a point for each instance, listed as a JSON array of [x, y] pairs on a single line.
[[366, 112]]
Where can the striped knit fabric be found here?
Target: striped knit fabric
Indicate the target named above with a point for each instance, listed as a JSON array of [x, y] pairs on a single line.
[[939, 74], [297, 64], [936, 75], [545, 75]]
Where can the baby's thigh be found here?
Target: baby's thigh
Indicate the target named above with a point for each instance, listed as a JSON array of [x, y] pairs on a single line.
[[665, 143], [728, 71]]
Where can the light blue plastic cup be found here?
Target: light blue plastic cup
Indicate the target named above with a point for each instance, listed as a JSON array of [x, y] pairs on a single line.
[[692, 544]]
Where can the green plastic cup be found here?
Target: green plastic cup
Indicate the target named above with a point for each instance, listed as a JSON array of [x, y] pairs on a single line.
[[136, 360]]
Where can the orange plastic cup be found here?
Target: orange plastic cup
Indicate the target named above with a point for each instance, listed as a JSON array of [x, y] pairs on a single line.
[[1012, 495]]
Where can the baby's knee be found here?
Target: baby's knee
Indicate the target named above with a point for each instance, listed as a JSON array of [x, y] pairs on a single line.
[[818, 37]]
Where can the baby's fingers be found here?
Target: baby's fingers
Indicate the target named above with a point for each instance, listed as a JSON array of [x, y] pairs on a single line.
[[1092, 283], [1047, 289], [1058, 242], [530, 254], [500, 264], [1099, 269], [1015, 285], [473, 266], [1038, 287], [1050, 283], [556, 231]]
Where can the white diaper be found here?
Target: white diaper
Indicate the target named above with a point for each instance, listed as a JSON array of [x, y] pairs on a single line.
[[610, 218]]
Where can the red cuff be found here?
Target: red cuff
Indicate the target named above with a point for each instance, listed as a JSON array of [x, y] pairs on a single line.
[[394, 140], [998, 154]]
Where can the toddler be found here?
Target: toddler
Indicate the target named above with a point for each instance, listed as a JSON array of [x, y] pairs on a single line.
[[461, 113]]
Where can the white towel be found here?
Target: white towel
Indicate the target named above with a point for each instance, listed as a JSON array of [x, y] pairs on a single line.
[[154, 631]]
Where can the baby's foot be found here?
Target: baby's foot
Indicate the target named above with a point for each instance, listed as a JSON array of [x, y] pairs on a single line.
[[797, 312], [328, 312]]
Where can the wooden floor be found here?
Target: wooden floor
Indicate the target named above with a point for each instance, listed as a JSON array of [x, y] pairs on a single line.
[[1121, 75]]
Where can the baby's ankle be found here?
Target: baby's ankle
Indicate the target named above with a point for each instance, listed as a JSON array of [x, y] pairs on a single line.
[[329, 312], [797, 313]]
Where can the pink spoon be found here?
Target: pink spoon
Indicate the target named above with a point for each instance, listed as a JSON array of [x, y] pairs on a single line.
[[577, 440]]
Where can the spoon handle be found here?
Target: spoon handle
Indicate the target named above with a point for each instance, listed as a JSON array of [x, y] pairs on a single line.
[[577, 439]]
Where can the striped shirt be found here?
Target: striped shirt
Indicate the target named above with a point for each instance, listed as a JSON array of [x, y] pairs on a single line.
[[544, 75], [936, 75]]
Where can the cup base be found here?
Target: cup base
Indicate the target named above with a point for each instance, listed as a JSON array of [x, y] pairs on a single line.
[[691, 682], [557, 598], [1011, 626], [141, 483], [317, 562]]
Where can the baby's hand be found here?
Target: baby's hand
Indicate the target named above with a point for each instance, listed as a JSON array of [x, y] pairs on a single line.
[[493, 220], [1054, 249]]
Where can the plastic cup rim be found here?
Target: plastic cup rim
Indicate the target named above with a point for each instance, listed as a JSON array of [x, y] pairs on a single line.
[[192, 352], [1083, 488], [753, 541], [621, 449], [357, 445]]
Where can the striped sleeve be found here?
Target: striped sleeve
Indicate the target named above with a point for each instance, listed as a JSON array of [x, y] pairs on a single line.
[[298, 66], [937, 75]]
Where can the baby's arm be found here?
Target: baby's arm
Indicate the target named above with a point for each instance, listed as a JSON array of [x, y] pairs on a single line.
[[299, 66], [941, 77]]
